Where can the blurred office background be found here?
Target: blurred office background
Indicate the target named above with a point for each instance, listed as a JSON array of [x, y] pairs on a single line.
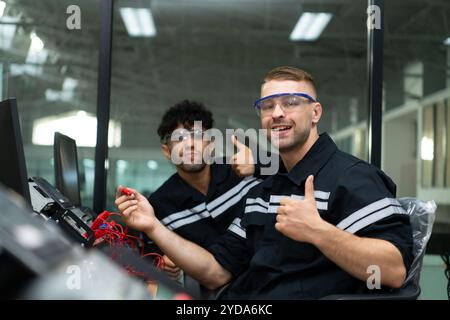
[[217, 52]]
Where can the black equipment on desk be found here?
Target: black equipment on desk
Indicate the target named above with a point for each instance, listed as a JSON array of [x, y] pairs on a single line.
[[37, 261], [28, 246], [52, 204]]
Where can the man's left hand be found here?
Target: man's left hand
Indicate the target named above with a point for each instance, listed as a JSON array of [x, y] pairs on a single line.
[[299, 219]]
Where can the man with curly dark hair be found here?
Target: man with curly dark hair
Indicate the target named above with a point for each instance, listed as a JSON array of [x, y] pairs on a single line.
[[201, 199]]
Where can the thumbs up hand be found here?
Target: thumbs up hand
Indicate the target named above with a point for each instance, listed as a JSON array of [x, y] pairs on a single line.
[[242, 162], [299, 219]]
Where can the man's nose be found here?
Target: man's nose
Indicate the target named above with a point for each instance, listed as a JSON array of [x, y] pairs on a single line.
[[277, 112], [189, 141]]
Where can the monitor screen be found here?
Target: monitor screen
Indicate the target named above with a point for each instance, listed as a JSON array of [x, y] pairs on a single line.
[[66, 168], [13, 170]]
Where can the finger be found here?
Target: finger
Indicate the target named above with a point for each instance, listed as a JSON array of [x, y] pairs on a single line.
[[285, 201], [119, 191], [123, 206], [137, 195], [129, 210], [173, 276], [170, 269], [281, 210], [235, 141], [123, 199], [120, 197], [170, 266], [168, 262], [309, 187], [120, 200], [129, 192], [173, 271], [279, 227]]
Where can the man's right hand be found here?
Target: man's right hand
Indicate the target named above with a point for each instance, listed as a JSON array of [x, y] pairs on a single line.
[[136, 211]]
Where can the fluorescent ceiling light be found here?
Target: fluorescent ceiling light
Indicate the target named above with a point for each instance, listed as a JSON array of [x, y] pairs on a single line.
[[2, 7], [52, 95], [447, 41], [66, 94], [78, 125], [138, 21], [36, 53], [36, 43], [69, 84], [131, 22], [7, 32], [427, 149], [310, 26], [146, 22], [36, 56]]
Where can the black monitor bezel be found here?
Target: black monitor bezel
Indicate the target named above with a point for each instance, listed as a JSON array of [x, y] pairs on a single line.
[[58, 140], [19, 152]]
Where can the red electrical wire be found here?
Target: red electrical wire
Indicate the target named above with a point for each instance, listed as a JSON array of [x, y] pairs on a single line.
[[114, 235]]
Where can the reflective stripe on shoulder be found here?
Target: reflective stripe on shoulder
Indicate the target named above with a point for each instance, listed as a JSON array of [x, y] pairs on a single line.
[[370, 214], [219, 205]]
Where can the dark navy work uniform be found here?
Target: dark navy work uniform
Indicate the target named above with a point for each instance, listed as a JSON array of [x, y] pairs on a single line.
[[350, 194], [196, 217]]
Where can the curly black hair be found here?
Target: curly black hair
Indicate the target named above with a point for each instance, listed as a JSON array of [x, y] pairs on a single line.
[[185, 113]]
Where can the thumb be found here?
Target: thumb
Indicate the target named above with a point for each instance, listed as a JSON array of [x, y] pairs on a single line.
[[237, 143], [309, 187], [168, 262]]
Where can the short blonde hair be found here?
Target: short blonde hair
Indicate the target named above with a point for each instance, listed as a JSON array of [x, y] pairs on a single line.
[[290, 73]]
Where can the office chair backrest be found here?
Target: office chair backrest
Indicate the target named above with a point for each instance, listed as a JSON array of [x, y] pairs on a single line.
[[422, 216]]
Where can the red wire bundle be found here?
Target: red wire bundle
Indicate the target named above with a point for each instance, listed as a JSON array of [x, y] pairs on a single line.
[[113, 233]]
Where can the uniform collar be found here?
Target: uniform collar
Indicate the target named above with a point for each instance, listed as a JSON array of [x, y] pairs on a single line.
[[314, 159], [312, 162], [184, 191]]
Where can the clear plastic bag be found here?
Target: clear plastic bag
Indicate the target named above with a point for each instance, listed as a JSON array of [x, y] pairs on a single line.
[[422, 215]]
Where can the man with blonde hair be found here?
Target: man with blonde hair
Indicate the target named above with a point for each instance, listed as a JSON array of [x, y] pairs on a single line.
[[313, 229]]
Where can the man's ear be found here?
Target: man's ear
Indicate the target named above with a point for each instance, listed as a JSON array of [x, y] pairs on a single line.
[[317, 113], [166, 151]]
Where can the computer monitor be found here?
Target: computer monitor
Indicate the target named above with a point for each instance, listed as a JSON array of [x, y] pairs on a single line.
[[13, 170], [66, 168]]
